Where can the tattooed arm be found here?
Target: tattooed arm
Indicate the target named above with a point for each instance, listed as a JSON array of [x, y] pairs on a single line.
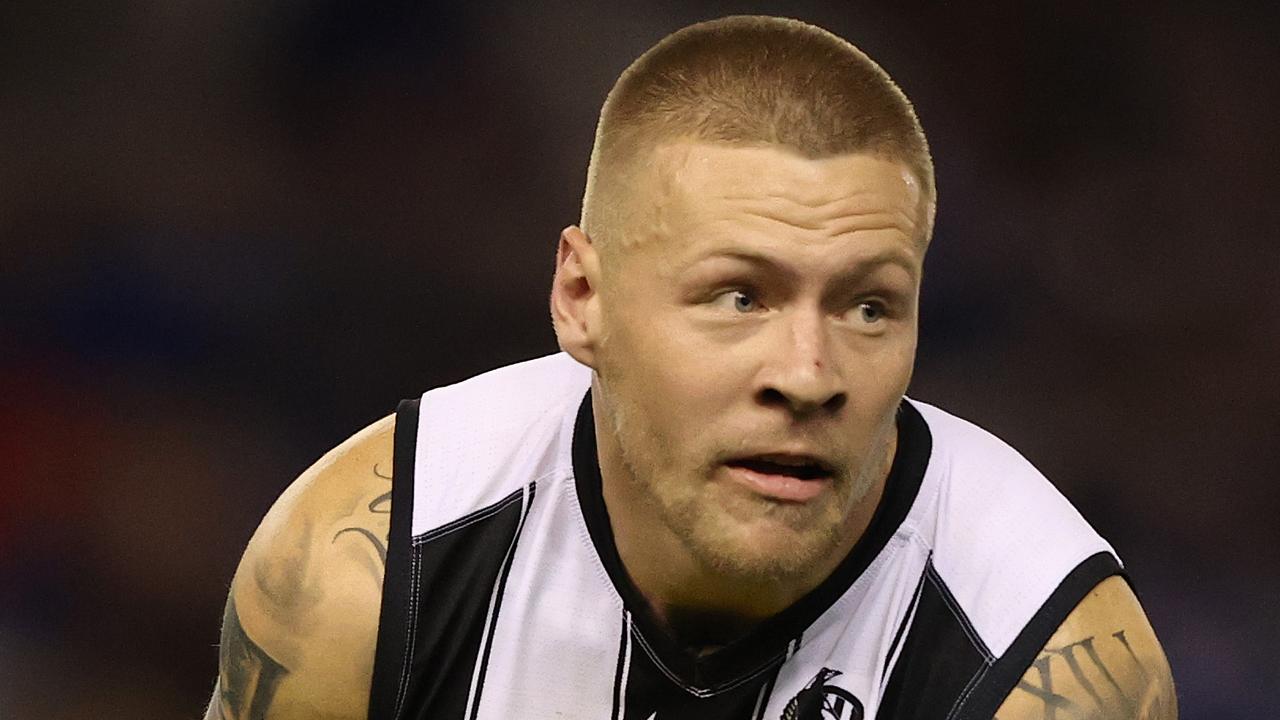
[[1103, 663], [301, 620]]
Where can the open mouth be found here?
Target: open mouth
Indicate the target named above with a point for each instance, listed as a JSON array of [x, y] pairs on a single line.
[[800, 468]]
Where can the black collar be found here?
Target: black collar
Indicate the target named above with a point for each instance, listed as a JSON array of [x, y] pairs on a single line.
[[766, 645]]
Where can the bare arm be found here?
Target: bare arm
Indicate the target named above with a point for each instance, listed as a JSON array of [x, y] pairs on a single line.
[[1103, 663], [300, 625]]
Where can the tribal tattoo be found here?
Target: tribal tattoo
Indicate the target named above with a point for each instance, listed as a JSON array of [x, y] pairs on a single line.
[[379, 505], [248, 676]]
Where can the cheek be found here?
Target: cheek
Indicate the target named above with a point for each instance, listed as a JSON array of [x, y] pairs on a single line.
[[898, 364], [876, 381], [666, 391], [905, 362], [890, 361], [653, 347]]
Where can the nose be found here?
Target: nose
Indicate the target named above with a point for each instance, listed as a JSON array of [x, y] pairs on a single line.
[[801, 375]]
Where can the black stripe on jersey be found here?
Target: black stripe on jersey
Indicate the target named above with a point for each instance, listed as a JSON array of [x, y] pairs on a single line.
[[496, 603], [940, 657], [454, 594], [762, 650], [945, 670], [391, 660], [987, 697], [441, 597]]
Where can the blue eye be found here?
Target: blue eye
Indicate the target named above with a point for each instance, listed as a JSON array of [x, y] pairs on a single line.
[[870, 312], [739, 301]]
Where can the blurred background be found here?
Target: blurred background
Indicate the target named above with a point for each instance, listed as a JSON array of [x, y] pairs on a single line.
[[233, 233]]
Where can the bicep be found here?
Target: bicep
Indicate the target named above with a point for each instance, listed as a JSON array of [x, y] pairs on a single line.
[[1103, 663], [248, 675], [312, 665], [300, 625]]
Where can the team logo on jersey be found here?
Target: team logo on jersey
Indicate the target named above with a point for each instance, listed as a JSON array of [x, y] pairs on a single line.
[[820, 701]]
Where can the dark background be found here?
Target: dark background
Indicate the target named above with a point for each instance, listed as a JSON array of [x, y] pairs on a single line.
[[232, 233]]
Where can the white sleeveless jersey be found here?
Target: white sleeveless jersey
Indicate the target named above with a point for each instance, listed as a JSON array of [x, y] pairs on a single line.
[[505, 598]]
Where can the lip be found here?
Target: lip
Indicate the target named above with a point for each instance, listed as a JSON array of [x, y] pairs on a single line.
[[785, 488]]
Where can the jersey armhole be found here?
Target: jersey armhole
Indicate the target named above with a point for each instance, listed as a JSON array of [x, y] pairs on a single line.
[[391, 661], [1009, 668]]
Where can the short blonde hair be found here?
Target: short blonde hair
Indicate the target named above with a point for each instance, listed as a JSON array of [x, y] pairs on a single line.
[[750, 80]]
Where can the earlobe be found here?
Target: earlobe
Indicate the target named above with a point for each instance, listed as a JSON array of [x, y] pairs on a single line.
[[574, 297]]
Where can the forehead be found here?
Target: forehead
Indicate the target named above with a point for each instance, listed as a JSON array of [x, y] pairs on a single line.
[[699, 193], [697, 170]]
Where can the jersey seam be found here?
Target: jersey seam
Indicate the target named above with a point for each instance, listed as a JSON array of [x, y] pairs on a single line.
[[899, 640], [468, 520], [527, 496], [711, 691], [1019, 660], [892, 548], [958, 613], [411, 633], [971, 633], [475, 516], [584, 537], [622, 674], [969, 687]]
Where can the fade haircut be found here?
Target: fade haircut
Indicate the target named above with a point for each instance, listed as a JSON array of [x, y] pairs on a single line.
[[749, 80]]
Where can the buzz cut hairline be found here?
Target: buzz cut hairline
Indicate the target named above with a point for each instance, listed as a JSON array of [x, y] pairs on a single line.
[[750, 80]]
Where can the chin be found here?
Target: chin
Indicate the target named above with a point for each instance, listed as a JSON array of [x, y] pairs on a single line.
[[764, 549]]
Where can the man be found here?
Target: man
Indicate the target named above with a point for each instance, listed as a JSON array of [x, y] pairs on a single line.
[[716, 502]]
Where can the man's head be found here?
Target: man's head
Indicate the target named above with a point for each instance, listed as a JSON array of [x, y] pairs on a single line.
[[745, 285]]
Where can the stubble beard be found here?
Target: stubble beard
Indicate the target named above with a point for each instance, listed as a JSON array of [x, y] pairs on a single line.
[[711, 520]]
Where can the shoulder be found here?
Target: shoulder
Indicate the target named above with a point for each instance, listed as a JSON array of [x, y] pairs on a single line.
[[990, 505], [336, 512], [480, 440], [301, 622], [985, 484], [1103, 662], [1034, 582], [985, 502], [1014, 555], [508, 397], [964, 450], [984, 498]]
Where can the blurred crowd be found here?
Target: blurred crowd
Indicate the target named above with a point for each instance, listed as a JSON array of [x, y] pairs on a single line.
[[231, 234]]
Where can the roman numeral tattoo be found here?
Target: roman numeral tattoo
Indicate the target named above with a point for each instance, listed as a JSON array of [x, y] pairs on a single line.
[[1105, 696]]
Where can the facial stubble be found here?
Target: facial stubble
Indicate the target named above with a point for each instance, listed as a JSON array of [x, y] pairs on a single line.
[[718, 524]]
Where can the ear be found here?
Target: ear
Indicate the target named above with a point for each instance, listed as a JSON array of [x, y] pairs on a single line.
[[575, 300]]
